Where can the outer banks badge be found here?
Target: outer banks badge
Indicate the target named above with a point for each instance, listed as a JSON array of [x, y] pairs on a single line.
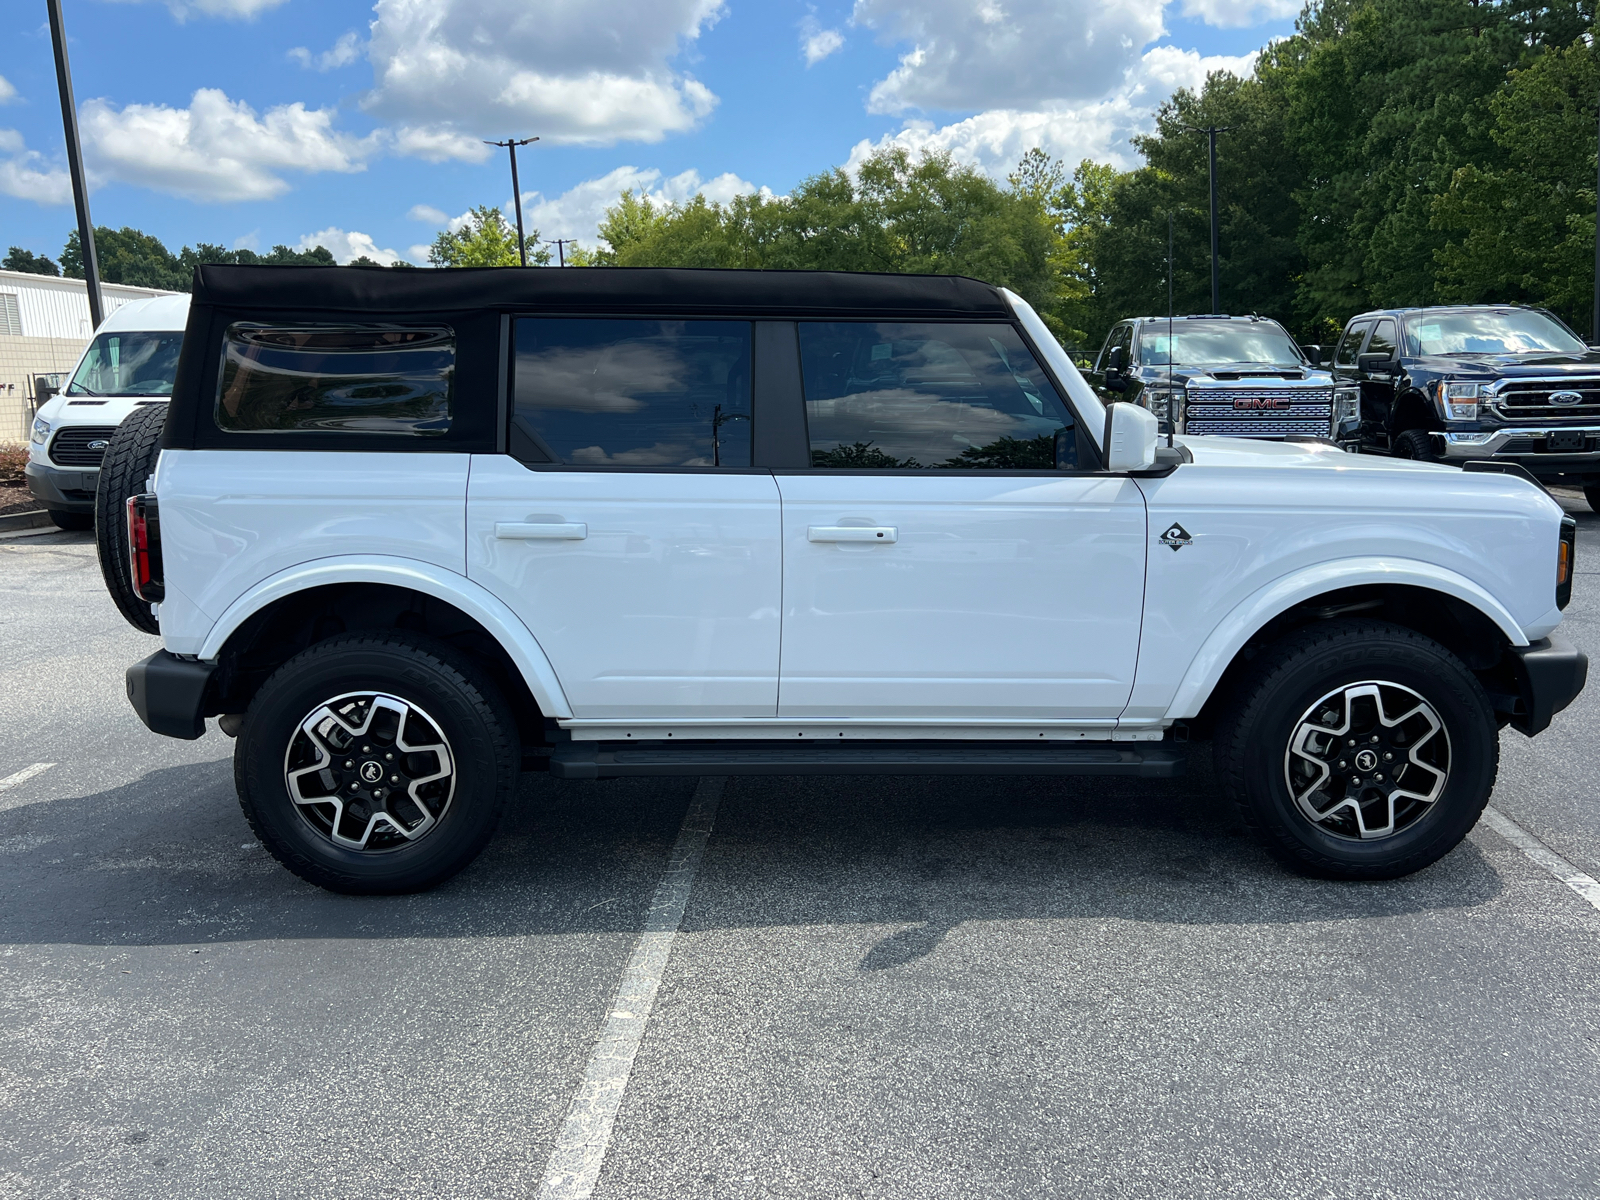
[[1176, 536]]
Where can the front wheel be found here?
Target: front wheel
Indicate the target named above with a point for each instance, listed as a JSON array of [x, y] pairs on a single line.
[[376, 763], [1591, 493], [1416, 444], [62, 519], [1359, 750]]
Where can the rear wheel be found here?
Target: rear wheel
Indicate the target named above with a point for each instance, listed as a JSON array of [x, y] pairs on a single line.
[[71, 520], [376, 763], [1415, 443], [1359, 750], [129, 462]]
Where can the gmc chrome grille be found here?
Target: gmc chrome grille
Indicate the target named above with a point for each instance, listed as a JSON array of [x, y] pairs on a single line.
[[71, 446], [1529, 400], [1244, 412]]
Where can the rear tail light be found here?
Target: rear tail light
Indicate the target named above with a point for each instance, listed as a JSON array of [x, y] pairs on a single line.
[[144, 548], [1566, 561]]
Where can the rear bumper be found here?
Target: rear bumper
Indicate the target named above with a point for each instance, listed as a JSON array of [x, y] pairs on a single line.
[[1549, 675], [169, 694], [67, 489]]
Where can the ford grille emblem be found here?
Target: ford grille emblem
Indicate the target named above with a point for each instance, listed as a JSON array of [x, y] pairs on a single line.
[[1566, 397], [98, 444], [1261, 402]]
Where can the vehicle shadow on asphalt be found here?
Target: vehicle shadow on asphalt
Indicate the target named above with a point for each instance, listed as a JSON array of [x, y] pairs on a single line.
[[168, 859]]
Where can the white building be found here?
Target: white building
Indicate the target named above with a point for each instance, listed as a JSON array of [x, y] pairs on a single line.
[[44, 326]]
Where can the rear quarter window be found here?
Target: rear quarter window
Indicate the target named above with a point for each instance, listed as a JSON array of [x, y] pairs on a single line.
[[357, 379]]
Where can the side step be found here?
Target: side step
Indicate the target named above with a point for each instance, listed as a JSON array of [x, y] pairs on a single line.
[[613, 760]]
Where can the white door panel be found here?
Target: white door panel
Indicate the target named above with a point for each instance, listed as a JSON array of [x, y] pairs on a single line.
[[652, 594], [960, 595]]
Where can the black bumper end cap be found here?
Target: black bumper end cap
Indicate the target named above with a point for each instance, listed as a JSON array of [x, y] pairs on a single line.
[[1550, 673], [169, 694]]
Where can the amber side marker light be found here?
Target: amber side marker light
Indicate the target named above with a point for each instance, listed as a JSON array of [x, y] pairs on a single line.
[[1566, 559]]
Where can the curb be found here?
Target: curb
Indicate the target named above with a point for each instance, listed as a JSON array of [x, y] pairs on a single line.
[[25, 520]]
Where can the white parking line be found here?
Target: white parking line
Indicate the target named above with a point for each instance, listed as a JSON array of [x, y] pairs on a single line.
[[1584, 885], [22, 776], [580, 1149]]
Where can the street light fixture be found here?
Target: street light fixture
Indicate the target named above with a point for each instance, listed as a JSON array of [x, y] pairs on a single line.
[[511, 144]]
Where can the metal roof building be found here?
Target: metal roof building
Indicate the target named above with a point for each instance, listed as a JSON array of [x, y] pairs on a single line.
[[44, 326]]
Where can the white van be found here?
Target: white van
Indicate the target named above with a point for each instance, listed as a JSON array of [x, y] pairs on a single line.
[[129, 363]]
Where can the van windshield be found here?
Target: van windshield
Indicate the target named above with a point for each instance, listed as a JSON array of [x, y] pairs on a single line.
[[136, 363]]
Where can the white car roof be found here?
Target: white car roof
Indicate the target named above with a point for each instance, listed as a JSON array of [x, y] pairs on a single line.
[[156, 313]]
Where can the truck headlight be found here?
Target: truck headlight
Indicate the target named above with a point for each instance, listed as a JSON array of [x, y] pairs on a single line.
[[1165, 403], [1458, 401], [40, 433], [1346, 405]]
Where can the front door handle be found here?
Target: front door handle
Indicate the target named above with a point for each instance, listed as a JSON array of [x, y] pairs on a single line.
[[852, 533], [531, 531]]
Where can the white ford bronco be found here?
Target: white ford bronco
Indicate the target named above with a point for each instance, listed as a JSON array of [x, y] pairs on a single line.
[[407, 533]]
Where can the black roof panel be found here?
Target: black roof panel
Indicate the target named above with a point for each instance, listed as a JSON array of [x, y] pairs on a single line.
[[589, 289]]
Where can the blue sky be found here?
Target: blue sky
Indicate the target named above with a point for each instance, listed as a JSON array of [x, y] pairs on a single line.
[[358, 125]]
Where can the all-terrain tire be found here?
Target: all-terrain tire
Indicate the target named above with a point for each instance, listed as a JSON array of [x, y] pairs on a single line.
[[1290, 677], [1415, 443], [1591, 493], [70, 520], [455, 697], [128, 463]]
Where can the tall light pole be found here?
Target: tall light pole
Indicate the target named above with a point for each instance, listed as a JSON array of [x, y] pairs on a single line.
[[80, 186], [561, 245], [511, 144], [1594, 321], [1211, 132]]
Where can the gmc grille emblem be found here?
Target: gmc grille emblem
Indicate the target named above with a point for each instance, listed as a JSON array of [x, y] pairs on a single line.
[[1261, 402], [1566, 397]]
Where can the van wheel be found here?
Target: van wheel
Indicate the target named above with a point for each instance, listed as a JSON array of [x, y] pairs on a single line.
[[62, 519], [1414, 443], [376, 763], [129, 461], [1359, 750]]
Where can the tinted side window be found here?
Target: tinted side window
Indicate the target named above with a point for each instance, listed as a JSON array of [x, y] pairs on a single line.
[[1350, 344], [1382, 339], [632, 393], [336, 378], [908, 396]]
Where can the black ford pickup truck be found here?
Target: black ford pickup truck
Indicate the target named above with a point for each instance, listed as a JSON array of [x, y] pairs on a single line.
[[1450, 384]]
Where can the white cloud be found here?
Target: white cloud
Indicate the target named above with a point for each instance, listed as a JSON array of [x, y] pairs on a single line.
[[967, 55], [591, 72], [435, 143], [216, 149], [577, 212], [418, 254], [1239, 14], [248, 241], [994, 141], [816, 43], [23, 175], [237, 10], [347, 246], [344, 52], [8, 91], [428, 213]]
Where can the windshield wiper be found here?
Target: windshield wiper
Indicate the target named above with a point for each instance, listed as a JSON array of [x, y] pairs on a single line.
[[77, 389]]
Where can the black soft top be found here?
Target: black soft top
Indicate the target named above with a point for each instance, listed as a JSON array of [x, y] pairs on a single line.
[[665, 290]]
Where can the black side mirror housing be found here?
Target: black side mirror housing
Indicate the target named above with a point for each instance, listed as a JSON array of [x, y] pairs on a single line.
[[1377, 364], [1115, 380], [1317, 354]]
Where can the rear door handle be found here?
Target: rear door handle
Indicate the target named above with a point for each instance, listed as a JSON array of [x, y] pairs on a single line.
[[531, 531], [852, 533]]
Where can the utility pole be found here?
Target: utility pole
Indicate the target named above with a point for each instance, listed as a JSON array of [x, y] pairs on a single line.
[[1211, 132], [561, 245], [510, 144], [80, 186], [1594, 321]]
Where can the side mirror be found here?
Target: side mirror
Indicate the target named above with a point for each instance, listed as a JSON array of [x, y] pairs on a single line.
[[1377, 364], [1131, 433], [1115, 360], [1315, 353]]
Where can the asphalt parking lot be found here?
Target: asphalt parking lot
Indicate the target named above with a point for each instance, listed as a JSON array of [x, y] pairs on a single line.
[[880, 988]]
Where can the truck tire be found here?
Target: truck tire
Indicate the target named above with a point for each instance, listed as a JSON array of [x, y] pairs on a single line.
[[1415, 443], [376, 763], [1358, 750], [62, 519], [1591, 493], [129, 461]]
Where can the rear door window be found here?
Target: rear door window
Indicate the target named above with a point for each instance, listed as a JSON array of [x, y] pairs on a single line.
[[632, 393], [357, 379], [901, 396]]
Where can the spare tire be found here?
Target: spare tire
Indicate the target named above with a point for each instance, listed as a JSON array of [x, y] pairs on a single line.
[[129, 461]]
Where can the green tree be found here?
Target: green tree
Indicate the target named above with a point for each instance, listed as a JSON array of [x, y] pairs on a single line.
[[127, 256], [486, 240], [27, 261]]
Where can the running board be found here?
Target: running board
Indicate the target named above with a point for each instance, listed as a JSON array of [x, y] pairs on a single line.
[[612, 760]]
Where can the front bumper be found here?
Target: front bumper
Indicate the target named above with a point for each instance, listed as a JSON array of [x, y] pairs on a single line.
[[1548, 674], [170, 693], [1526, 447], [67, 489]]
